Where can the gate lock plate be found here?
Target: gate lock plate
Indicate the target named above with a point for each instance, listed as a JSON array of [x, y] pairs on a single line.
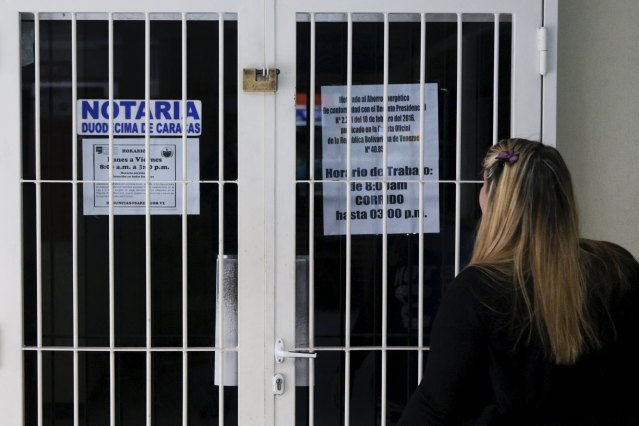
[[260, 80]]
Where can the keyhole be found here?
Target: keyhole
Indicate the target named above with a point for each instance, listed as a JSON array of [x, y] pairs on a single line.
[[278, 383], [261, 75]]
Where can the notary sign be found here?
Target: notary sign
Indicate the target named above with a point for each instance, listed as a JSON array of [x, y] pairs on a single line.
[[129, 117], [371, 198]]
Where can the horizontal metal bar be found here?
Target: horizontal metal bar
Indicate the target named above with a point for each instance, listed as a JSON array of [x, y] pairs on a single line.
[[364, 348], [412, 181], [126, 349], [400, 17], [98, 16], [235, 182], [136, 181]]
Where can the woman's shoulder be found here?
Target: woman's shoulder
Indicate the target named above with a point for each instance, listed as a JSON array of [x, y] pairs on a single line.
[[611, 260], [598, 247], [612, 275], [486, 277], [469, 278], [482, 283], [477, 292]]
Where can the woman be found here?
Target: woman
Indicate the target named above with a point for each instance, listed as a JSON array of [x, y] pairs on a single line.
[[542, 327]]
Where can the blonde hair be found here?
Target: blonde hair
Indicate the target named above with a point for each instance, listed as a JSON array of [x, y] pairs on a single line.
[[529, 235]]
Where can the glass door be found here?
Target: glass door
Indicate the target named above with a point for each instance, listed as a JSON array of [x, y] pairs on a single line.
[[379, 171]]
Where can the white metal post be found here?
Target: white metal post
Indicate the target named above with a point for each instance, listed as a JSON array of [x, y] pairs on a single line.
[[349, 255], [255, 287], [385, 227], [185, 276], [74, 223], [420, 261], [496, 79], [311, 227], [549, 87], [458, 141], [11, 330], [112, 395], [220, 217], [38, 207]]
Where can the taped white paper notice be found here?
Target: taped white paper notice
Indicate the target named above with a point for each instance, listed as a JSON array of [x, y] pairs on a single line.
[[367, 163], [129, 176]]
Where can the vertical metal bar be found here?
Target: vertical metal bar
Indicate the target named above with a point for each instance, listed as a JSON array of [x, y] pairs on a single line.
[[38, 206], [420, 261], [220, 206], [147, 210], [458, 137], [111, 235], [74, 242], [349, 171], [311, 231], [185, 304], [385, 226], [496, 79], [311, 101]]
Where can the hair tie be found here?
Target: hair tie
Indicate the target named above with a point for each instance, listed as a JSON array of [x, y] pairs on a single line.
[[510, 157]]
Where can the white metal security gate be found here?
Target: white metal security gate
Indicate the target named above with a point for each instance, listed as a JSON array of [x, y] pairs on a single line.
[[111, 318], [373, 290]]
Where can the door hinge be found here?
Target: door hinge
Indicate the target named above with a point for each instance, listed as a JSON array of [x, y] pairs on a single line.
[[542, 47]]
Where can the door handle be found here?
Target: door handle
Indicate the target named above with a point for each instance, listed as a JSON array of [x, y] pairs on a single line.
[[281, 354]]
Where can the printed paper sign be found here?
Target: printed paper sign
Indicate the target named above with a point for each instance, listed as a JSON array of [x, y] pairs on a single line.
[[129, 175], [129, 117], [402, 167]]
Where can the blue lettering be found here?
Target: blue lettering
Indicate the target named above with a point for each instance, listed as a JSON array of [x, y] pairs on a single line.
[[194, 128], [105, 109], [126, 128], [98, 128], [191, 111], [176, 110], [129, 116], [127, 105], [162, 109], [140, 112], [90, 108]]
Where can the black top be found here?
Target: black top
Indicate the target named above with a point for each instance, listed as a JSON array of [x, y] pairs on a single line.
[[477, 373]]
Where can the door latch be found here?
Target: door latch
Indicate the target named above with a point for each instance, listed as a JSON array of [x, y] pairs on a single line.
[[281, 354], [260, 80]]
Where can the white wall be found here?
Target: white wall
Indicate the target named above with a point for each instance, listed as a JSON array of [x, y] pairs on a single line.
[[598, 114]]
